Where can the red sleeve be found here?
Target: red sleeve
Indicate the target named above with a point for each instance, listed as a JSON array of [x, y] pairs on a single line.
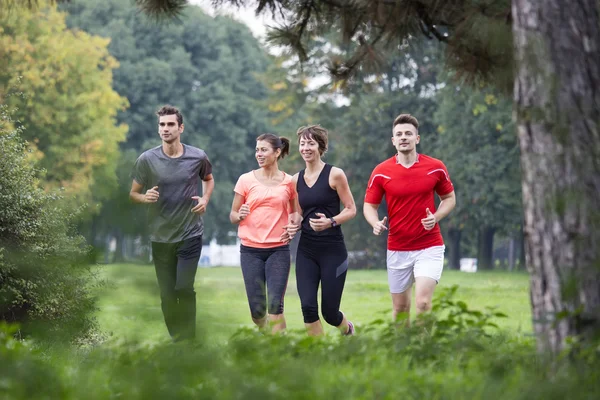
[[375, 192], [444, 184]]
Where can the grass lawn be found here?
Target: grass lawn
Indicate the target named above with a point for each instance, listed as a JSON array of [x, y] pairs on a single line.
[[129, 305]]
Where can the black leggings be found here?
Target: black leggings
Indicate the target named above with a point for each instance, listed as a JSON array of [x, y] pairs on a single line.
[[176, 265], [327, 263], [265, 270]]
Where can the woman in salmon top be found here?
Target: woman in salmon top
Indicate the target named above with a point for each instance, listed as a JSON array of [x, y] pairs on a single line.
[[262, 206]]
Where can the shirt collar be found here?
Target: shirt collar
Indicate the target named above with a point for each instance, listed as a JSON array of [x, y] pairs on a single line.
[[397, 162]]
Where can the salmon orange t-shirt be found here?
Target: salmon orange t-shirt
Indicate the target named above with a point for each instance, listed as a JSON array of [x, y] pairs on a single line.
[[269, 210]]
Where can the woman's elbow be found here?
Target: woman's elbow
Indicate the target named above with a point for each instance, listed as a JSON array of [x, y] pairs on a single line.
[[232, 218], [352, 211]]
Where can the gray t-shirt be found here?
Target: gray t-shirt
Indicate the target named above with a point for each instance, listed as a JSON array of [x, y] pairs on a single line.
[[170, 218]]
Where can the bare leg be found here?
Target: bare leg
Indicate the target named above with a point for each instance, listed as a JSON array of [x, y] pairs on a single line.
[[315, 329], [424, 293], [277, 322], [401, 306], [261, 323], [344, 327]]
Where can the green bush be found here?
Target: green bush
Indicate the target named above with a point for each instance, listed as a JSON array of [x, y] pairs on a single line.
[[456, 353], [44, 280]]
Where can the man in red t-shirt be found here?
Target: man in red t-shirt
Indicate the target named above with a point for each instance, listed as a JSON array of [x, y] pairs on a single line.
[[415, 245]]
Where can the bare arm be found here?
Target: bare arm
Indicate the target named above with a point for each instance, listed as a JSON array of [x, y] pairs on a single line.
[[296, 215], [370, 213], [343, 189], [136, 195], [239, 210], [446, 205], [339, 183], [208, 185]]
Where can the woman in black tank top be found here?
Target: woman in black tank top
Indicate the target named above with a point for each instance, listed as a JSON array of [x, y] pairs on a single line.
[[322, 257]]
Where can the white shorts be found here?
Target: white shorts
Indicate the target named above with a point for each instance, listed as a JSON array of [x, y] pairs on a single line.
[[404, 266]]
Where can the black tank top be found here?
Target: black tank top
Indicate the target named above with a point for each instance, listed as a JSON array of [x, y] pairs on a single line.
[[320, 198]]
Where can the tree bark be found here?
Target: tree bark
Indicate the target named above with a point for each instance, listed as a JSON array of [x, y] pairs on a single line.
[[557, 108], [522, 259], [454, 236], [485, 248], [511, 253], [119, 250]]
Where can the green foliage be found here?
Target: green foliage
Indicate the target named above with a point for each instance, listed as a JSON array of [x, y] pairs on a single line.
[[208, 67], [361, 135], [70, 108], [454, 360], [43, 277], [23, 373], [478, 142]]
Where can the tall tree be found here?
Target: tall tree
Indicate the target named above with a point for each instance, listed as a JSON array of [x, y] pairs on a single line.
[[477, 142], [556, 48], [557, 45], [209, 67], [70, 109]]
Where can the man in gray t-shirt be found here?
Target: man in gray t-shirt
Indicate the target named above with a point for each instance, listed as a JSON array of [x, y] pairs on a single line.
[[170, 174]]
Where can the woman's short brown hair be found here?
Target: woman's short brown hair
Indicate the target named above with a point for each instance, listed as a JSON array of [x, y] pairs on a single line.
[[315, 132]]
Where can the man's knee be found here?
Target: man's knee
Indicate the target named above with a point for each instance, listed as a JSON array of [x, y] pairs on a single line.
[[168, 296], [186, 293], [423, 303], [401, 307]]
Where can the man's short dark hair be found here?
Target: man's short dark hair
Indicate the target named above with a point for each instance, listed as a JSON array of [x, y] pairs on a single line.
[[170, 110], [406, 119]]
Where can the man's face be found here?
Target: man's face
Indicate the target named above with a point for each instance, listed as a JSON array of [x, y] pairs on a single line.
[[405, 138], [168, 128]]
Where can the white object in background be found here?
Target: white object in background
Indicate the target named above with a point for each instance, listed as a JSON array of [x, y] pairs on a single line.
[[468, 264], [216, 255]]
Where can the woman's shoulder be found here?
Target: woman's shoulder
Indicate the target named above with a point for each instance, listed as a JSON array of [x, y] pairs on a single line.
[[336, 172], [247, 177], [291, 178]]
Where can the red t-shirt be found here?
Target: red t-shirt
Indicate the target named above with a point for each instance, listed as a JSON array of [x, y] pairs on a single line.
[[408, 193]]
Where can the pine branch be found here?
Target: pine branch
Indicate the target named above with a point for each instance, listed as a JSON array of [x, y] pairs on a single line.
[[162, 9]]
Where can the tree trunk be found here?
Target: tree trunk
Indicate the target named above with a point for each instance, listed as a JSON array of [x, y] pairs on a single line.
[[511, 253], [522, 260], [557, 99], [454, 236], [485, 248], [119, 250]]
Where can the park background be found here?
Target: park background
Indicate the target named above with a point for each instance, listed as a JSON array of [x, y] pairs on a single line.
[[79, 85]]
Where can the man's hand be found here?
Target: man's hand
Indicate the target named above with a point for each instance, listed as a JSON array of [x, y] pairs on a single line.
[[321, 223], [429, 221], [151, 195], [199, 208], [380, 227]]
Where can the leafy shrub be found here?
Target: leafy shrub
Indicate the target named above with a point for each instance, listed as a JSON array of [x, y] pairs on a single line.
[[43, 274], [463, 360], [23, 374]]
